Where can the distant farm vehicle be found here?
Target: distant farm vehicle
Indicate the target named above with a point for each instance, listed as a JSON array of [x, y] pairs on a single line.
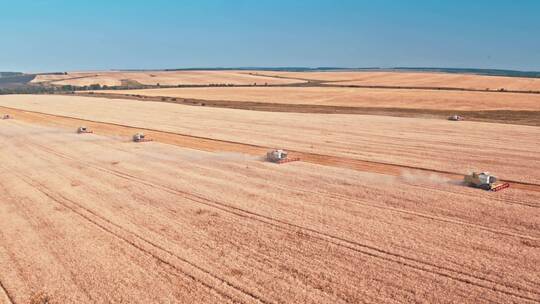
[[485, 181], [279, 157], [7, 116], [455, 118], [84, 129], [140, 137]]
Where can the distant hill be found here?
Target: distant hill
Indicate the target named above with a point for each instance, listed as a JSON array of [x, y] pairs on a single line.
[[10, 74], [487, 72], [14, 79], [273, 69]]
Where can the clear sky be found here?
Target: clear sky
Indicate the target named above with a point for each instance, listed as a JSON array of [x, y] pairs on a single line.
[[58, 35]]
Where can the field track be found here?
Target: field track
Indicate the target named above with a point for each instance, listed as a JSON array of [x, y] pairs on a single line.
[[214, 145]]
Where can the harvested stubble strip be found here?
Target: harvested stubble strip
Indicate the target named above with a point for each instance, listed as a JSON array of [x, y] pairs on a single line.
[[509, 151]]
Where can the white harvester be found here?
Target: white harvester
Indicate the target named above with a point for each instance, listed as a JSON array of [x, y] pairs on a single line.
[[279, 156], [484, 180], [455, 118], [139, 137]]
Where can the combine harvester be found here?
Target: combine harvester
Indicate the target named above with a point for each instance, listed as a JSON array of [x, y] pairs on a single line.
[[279, 157], [485, 181], [455, 118], [7, 116], [139, 137], [83, 129]]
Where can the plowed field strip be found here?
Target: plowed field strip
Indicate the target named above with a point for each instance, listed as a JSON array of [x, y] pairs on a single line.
[[518, 117], [214, 145], [369, 250], [89, 215]]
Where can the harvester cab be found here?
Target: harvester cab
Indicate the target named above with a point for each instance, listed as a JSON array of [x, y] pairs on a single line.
[[484, 180], [84, 129], [139, 137], [279, 156]]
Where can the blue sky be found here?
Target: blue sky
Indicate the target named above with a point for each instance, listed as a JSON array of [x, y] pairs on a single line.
[[58, 35]]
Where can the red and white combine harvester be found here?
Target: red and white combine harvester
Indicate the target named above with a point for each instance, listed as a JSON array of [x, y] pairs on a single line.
[[280, 157], [484, 180]]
